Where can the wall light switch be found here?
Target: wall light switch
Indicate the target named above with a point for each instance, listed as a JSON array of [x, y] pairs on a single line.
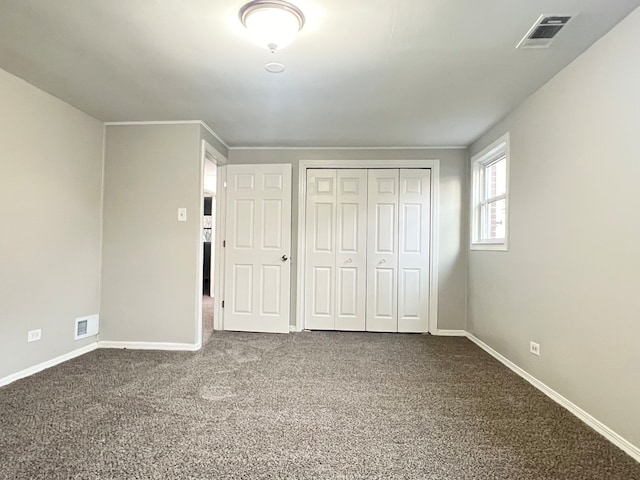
[[182, 214]]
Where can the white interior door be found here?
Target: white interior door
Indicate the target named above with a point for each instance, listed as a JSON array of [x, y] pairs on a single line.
[[382, 251], [351, 250], [320, 251], [413, 250], [258, 241]]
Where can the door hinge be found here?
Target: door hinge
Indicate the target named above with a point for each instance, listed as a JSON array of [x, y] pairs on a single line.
[[224, 244], [222, 303]]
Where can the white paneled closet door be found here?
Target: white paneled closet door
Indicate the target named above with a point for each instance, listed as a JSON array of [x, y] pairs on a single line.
[[367, 250], [413, 251], [351, 250], [382, 251], [320, 252]]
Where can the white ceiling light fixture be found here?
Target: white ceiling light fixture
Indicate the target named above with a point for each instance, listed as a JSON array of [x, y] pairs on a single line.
[[272, 23]]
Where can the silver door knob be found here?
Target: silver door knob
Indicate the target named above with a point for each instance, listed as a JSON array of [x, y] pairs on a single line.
[[284, 258], [349, 260]]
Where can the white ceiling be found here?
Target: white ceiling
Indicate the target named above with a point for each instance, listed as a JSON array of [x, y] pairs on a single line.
[[362, 72]]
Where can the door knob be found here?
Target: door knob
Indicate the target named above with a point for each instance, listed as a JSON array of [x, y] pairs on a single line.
[[349, 260], [383, 261], [284, 258]]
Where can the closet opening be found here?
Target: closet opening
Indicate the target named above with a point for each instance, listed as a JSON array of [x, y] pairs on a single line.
[[367, 233]]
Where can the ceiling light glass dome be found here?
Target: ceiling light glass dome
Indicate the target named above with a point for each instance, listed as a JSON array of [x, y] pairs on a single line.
[[272, 23]]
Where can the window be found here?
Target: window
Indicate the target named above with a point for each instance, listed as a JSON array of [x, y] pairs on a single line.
[[490, 197]]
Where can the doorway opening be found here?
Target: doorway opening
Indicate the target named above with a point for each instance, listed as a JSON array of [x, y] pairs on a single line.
[[208, 240], [211, 230]]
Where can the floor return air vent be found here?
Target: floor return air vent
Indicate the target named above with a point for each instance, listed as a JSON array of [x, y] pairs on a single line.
[[86, 326]]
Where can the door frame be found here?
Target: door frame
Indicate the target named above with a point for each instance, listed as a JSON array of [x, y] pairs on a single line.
[[208, 152], [433, 165]]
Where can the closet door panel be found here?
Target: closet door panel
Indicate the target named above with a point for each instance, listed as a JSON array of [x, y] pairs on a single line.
[[351, 250], [414, 248], [320, 251], [382, 250]]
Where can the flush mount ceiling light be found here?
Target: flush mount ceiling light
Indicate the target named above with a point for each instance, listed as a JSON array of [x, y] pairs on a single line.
[[272, 23]]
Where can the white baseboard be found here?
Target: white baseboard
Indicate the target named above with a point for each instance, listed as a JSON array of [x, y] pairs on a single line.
[[591, 421], [189, 347], [450, 333], [49, 363]]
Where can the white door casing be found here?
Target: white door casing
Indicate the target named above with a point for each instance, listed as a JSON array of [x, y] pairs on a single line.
[[320, 252], [351, 250], [413, 250], [382, 251], [258, 241], [209, 153]]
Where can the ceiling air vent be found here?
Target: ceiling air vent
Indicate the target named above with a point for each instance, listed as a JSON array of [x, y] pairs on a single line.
[[543, 31]]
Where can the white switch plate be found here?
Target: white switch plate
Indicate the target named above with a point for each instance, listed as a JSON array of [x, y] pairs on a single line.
[[534, 348], [182, 214], [34, 335]]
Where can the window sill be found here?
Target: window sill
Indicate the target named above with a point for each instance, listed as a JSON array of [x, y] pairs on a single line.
[[496, 247]]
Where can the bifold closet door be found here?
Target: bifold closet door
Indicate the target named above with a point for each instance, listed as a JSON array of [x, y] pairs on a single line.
[[320, 251], [367, 250], [336, 252], [413, 250], [351, 250], [398, 250], [382, 251]]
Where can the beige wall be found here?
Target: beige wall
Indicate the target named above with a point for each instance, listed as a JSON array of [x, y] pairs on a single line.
[[453, 211], [150, 260], [571, 278], [50, 205]]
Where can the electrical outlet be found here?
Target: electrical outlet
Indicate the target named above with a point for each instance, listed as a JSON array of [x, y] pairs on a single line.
[[34, 335], [534, 348]]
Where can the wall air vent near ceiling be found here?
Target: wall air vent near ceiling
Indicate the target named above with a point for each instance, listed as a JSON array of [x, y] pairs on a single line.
[[543, 31]]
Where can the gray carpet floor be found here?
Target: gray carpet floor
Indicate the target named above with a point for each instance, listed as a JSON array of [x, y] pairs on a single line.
[[306, 406], [207, 317]]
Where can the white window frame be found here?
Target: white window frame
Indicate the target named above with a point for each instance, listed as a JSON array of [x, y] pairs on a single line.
[[479, 163]]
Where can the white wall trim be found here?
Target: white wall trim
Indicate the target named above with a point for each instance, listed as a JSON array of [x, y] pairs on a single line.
[[174, 122], [215, 135], [102, 189], [433, 164], [591, 421], [220, 259], [447, 147], [49, 363], [189, 347], [450, 333]]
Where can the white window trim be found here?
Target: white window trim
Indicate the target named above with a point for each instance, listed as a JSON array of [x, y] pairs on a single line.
[[499, 148]]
